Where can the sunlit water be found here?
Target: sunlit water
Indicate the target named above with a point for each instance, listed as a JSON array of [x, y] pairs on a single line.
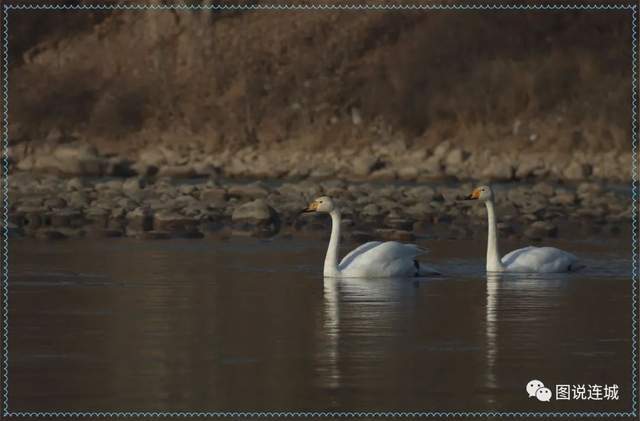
[[251, 325]]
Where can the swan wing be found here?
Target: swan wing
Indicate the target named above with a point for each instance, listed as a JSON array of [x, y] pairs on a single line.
[[539, 260], [377, 259], [358, 251]]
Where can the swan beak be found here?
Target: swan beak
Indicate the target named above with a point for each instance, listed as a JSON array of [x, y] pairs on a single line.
[[311, 208], [475, 195]]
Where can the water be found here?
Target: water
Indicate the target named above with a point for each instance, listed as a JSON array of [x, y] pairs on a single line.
[[251, 325]]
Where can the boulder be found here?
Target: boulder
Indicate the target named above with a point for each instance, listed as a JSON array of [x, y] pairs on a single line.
[[256, 217], [140, 219], [71, 159], [174, 222]]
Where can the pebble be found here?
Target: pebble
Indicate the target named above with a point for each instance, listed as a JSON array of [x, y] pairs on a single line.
[[133, 206]]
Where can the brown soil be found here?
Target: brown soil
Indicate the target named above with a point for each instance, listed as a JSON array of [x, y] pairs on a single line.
[[508, 79]]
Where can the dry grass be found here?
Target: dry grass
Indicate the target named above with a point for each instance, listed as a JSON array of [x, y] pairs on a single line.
[[266, 78]]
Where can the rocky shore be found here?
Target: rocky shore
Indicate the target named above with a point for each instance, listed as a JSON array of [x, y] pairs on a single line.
[[49, 206], [377, 161]]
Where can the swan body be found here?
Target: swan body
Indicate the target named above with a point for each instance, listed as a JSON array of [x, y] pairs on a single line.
[[528, 259], [539, 260], [375, 259]]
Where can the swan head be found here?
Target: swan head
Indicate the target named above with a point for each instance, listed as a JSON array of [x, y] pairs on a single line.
[[481, 193], [322, 204]]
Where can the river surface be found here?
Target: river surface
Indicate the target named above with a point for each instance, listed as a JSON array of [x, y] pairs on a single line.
[[251, 325]]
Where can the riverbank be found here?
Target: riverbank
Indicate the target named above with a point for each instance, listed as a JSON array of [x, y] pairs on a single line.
[[53, 207], [387, 161]]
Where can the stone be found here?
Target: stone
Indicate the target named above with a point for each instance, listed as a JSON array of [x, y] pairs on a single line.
[[55, 203], [370, 210], [75, 184], [589, 190], [213, 195], [499, 169], [78, 199], [395, 234], [174, 222], [541, 229], [71, 159], [257, 217], [49, 234], [441, 150], [177, 171], [253, 191], [563, 197], [140, 219], [154, 235], [104, 233], [544, 188], [577, 171], [98, 217], [364, 165], [66, 218], [399, 223], [454, 158]]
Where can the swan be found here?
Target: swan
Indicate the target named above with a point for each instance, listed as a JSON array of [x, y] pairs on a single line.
[[529, 259], [375, 259]]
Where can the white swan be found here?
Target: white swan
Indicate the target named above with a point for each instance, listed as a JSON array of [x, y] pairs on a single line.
[[528, 259], [374, 259]]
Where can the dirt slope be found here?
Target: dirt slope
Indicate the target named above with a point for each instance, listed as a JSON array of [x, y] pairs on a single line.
[[500, 80]]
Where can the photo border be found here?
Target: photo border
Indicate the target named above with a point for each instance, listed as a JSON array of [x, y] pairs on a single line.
[[632, 8]]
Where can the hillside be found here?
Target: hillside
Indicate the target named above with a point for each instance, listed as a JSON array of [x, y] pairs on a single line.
[[509, 81]]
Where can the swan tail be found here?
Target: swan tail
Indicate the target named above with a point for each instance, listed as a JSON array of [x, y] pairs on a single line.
[[422, 270], [576, 266]]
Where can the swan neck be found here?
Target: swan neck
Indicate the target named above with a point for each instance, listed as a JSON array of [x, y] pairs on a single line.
[[331, 259], [493, 253]]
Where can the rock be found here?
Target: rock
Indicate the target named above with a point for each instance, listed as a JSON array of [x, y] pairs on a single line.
[[13, 231], [119, 167], [361, 236], [577, 171], [589, 190], [64, 218], [356, 118], [154, 235], [75, 184], [55, 203], [370, 210], [78, 200], [395, 235], [563, 197], [174, 222], [31, 217], [71, 159], [399, 223], [407, 172], [432, 167], [544, 188], [127, 204], [214, 195], [253, 191], [98, 217], [177, 171], [104, 233], [48, 234], [498, 169], [441, 150], [364, 165], [256, 217], [530, 167], [455, 158], [541, 229], [133, 186], [140, 219]]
